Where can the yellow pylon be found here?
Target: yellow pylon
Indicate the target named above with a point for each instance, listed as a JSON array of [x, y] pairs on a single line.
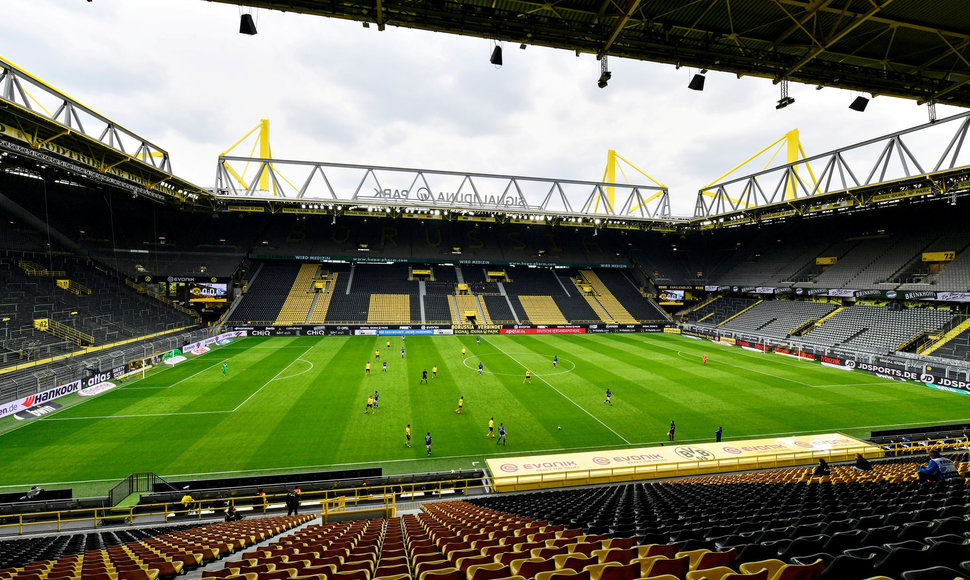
[[609, 176]]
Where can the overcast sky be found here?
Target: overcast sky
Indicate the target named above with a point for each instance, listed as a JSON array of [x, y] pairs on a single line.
[[178, 73]]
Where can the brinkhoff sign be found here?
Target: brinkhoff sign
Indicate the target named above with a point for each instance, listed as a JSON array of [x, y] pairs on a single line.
[[470, 199]]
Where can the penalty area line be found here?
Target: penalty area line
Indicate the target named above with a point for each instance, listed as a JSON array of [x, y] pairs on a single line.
[[625, 440]]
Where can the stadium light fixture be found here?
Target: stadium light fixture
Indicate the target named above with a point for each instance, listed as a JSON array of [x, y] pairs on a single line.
[[859, 104], [696, 83], [785, 100], [246, 24], [496, 58], [605, 74]]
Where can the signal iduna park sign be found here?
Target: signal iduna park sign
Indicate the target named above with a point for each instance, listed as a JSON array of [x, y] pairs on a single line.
[[592, 467]]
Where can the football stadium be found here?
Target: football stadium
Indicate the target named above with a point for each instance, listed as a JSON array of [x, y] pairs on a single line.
[[310, 369]]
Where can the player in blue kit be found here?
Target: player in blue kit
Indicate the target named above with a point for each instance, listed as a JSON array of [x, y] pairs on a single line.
[[501, 434]]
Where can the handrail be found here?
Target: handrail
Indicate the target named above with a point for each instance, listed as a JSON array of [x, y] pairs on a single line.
[[331, 501]]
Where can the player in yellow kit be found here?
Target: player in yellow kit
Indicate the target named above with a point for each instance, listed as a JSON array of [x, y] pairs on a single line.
[[367, 369], [407, 433], [491, 428], [528, 377]]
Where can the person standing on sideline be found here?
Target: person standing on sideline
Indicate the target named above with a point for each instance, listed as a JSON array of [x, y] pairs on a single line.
[[501, 434], [609, 396], [407, 434], [427, 442], [670, 432], [717, 434]]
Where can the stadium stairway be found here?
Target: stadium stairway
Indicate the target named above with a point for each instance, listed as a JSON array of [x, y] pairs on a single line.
[[318, 314], [614, 309], [598, 309], [950, 335], [299, 300]]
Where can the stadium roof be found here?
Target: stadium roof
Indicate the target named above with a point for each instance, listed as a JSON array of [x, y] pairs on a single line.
[[911, 49]]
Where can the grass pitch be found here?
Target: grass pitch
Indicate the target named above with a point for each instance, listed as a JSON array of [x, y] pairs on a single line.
[[297, 404]]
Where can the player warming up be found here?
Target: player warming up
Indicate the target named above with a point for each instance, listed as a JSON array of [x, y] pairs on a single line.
[[461, 401], [501, 435], [424, 377], [491, 428], [609, 397], [407, 434], [528, 377]]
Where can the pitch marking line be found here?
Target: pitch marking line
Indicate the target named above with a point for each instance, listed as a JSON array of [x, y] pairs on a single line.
[[523, 452], [488, 372], [177, 382], [137, 416], [299, 373], [625, 440]]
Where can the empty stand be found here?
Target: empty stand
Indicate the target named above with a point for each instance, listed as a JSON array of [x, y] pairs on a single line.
[[778, 318], [389, 309], [541, 310]]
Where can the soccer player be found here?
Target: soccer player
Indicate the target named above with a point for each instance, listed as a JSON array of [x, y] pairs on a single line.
[[609, 395], [376, 395], [434, 372], [370, 405], [705, 359], [427, 442], [478, 340], [461, 401], [388, 345], [225, 368], [717, 434], [377, 354], [481, 367], [424, 377], [501, 434], [555, 361], [367, 369], [491, 428], [384, 369], [528, 377], [402, 350], [407, 433], [462, 352], [670, 432]]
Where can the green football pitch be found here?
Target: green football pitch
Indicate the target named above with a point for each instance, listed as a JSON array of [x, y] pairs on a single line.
[[297, 404]]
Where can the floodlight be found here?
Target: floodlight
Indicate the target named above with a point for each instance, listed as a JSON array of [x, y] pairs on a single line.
[[246, 24], [859, 104], [496, 57]]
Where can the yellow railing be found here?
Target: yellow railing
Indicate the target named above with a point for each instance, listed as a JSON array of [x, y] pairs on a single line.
[[74, 287], [329, 503], [34, 269], [59, 330]]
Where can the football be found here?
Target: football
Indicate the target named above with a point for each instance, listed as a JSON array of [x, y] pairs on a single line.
[[559, 427]]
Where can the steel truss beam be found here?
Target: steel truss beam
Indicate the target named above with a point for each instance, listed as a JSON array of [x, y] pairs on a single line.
[[884, 161], [346, 185], [24, 90]]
